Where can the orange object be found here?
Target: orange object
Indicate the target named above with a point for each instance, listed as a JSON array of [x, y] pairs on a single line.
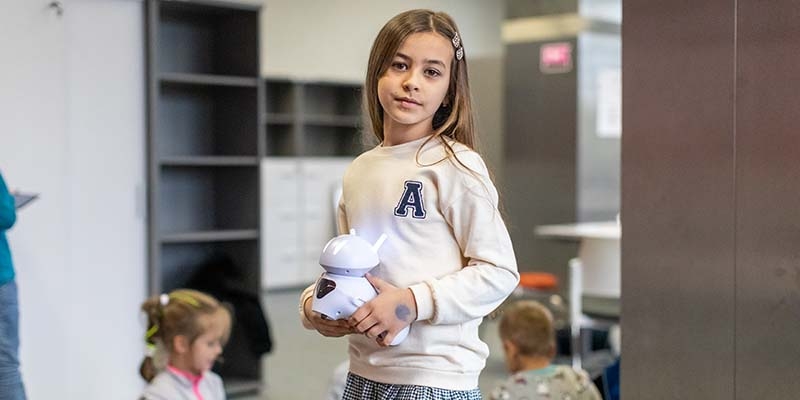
[[538, 280]]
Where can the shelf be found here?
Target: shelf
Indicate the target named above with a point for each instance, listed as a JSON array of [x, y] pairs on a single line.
[[316, 119], [210, 236], [182, 260], [235, 387], [207, 39], [334, 141], [203, 120], [280, 96], [279, 118], [207, 198], [332, 99], [280, 140], [205, 102], [209, 161], [209, 8], [344, 121], [176, 78]]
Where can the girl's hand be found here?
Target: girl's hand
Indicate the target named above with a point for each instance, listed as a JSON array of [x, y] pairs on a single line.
[[387, 314], [327, 327]]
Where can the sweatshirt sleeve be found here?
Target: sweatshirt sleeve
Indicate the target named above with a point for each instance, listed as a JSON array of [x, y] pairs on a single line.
[[8, 214], [307, 293], [490, 273], [341, 218]]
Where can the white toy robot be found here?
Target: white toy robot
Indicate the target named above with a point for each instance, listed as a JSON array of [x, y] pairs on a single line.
[[343, 287]]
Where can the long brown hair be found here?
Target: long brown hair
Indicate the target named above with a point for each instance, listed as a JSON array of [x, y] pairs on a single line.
[[454, 121], [183, 312]]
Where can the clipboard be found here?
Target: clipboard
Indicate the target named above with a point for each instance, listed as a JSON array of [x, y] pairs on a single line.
[[22, 199]]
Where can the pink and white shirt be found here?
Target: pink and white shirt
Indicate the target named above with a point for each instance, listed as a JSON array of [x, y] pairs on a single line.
[[176, 384]]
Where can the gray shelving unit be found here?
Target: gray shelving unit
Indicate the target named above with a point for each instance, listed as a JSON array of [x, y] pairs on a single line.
[[204, 143], [314, 119], [313, 130]]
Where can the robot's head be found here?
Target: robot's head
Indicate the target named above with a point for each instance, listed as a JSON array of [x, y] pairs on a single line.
[[350, 255]]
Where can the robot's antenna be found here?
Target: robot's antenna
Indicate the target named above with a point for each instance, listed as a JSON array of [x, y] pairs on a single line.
[[380, 241]]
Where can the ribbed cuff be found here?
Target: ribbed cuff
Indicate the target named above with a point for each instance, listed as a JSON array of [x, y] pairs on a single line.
[[305, 296], [424, 297]]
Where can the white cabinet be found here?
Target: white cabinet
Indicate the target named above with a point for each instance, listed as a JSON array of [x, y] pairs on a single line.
[[299, 196], [279, 199]]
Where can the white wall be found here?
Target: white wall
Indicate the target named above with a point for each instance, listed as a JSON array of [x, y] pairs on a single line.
[[72, 128], [331, 40], [316, 39]]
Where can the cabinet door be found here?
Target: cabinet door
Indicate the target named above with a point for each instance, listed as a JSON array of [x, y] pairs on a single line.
[[321, 186], [280, 215]]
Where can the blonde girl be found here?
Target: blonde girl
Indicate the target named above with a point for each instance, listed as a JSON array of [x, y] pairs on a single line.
[[186, 331], [448, 260]]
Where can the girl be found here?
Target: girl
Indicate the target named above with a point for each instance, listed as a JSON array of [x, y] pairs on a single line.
[[448, 260], [186, 330]]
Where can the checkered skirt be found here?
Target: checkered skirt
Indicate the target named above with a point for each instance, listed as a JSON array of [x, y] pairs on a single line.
[[360, 388]]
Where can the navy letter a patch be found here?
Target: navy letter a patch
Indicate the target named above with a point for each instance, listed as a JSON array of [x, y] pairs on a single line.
[[412, 198]]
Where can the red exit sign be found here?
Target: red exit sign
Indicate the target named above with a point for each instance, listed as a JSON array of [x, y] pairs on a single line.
[[555, 58]]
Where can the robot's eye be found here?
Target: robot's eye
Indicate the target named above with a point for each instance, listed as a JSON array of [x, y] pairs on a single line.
[[324, 287]]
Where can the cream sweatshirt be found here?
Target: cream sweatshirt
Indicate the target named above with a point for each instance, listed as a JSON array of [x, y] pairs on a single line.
[[447, 243]]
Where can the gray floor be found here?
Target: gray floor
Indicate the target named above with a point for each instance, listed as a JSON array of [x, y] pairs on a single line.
[[301, 363]]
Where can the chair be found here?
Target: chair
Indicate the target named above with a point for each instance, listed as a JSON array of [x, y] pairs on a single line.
[[610, 379], [538, 281]]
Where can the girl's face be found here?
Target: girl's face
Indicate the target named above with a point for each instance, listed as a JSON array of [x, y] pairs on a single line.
[[206, 348], [414, 86]]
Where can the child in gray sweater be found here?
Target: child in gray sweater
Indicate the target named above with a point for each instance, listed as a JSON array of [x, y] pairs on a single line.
[[526, 330]]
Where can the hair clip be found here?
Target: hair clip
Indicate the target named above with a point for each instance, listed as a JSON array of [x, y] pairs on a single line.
[[457, 45], [150, 332], [186, 299], [163, 299], [150, 350]]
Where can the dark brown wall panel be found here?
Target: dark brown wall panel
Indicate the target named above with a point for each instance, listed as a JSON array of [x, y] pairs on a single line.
[[768, 200], [678, 200]]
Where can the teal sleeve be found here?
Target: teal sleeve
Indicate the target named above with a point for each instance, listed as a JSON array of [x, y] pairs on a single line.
[[8, 215]]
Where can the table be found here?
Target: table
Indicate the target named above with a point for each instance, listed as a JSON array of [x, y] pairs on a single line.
[[599, 252], [595, 277]]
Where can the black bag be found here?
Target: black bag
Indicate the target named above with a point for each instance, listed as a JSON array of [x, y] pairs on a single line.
[[250, 334]]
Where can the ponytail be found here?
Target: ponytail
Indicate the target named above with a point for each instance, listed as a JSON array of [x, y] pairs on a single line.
[[148, 370]]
